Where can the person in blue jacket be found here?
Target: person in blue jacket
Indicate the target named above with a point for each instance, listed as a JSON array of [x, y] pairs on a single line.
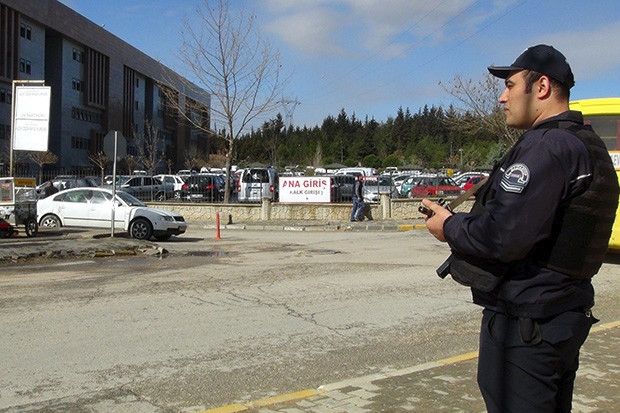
[[537, 233], [357, 210]]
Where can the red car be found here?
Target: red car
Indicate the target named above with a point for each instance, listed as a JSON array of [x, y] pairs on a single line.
[[436, 186], [473, 181]]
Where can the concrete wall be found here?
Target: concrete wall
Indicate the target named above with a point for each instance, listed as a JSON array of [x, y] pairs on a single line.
[[398, 209]]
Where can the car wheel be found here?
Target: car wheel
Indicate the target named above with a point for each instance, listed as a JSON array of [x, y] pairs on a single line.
[[164, 237], [160, 196], [32, 227], [177, 195], [141, 228], [50, 221]]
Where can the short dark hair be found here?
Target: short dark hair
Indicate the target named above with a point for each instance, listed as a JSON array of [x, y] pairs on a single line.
[[532, 77]]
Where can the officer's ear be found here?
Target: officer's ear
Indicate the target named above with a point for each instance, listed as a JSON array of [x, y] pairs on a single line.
[[543, 87]]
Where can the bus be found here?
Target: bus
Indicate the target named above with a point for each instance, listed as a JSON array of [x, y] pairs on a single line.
[[604, 116]]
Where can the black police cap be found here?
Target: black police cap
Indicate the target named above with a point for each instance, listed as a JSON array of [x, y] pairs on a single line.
[[543, 59]]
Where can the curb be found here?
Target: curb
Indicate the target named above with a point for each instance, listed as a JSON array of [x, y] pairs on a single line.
[[327, 227]]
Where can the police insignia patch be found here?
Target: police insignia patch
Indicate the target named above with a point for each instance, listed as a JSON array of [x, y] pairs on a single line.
[[516, 178]]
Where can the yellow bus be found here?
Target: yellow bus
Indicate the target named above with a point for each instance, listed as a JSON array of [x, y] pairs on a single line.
[[604, 116]]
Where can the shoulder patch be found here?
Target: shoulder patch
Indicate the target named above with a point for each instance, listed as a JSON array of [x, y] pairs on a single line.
[[516, 178]]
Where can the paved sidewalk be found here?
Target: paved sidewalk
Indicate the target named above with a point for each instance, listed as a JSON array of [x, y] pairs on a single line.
[[448, 386]]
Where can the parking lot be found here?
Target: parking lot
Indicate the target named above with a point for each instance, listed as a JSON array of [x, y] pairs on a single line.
[[251, 316]]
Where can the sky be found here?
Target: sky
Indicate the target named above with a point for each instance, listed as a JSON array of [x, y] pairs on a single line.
[[372, 57]]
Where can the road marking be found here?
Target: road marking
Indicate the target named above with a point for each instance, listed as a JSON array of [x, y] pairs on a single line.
[[303, 394], [409, 227]]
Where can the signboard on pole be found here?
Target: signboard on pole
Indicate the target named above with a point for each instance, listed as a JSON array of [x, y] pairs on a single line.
[[115, 143], [31, 118], [308, 189]]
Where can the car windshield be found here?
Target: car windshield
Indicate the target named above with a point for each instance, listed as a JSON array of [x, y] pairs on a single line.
[[256, 176], [129, 199], [385, 181], [442, 182]]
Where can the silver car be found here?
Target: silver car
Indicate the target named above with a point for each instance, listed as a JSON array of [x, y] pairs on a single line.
[[374, 186], [92, 207]]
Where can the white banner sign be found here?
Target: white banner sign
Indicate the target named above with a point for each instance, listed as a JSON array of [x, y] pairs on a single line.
[[615, 158], [307, 189], [32, 115]]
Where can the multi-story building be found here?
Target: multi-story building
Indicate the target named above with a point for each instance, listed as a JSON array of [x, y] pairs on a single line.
[[98, 83]]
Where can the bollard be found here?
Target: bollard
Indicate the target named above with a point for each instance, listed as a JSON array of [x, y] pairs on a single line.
[[217, 225]]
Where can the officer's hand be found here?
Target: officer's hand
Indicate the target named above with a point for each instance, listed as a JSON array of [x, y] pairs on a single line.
[[435, 223]]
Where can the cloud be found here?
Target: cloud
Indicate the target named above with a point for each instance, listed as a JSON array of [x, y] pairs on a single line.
[[370, 27], [590, 52], [309, 30]]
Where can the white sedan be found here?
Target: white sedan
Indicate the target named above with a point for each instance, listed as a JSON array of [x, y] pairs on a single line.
[[92, 207]]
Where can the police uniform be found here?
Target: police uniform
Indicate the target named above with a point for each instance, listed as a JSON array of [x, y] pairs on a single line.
[[535, 321]]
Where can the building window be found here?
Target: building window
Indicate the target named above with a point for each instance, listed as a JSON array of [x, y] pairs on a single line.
[[2, 95], [77, 84], [25, 66], [79, 143], [137, 105], [78, 55], [137, 83], [85, 115], [25, 31]]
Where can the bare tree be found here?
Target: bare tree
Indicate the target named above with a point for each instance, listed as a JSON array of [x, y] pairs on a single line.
[[150, 148], [131, 163], [100, 160], [41, 159], [479, 101], [229, 59]]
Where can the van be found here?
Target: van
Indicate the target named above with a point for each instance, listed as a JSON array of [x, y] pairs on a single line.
[[256, 184], [359, 170]]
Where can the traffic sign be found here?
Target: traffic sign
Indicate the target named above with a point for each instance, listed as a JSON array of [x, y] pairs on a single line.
[[109, 141]]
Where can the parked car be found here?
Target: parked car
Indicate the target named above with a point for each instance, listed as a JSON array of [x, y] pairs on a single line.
[[258, 183], [405, 187], [146, 188], [473, 181], [460, 179], [436, 186], [66, 182], [398, 182], [374, 186], [175, 180], [92, 207], [203, 188], [342, 188]]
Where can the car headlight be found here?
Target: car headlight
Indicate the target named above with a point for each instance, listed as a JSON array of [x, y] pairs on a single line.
[[166, 218]]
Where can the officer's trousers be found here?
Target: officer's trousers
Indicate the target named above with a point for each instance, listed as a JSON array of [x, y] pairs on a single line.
[[528, 366]]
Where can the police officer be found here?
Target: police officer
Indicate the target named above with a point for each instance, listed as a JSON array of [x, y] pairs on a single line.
[[540, 226]]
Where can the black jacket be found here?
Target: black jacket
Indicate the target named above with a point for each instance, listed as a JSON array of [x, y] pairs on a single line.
[[545, 168]]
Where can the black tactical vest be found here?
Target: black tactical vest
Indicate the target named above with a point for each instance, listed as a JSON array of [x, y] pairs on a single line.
[[583, 224]]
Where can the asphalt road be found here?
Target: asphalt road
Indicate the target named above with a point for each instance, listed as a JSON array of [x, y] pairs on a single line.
[[214, 322]]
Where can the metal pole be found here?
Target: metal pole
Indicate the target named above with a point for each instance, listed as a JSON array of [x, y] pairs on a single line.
[[12, 128], [114, 185]]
